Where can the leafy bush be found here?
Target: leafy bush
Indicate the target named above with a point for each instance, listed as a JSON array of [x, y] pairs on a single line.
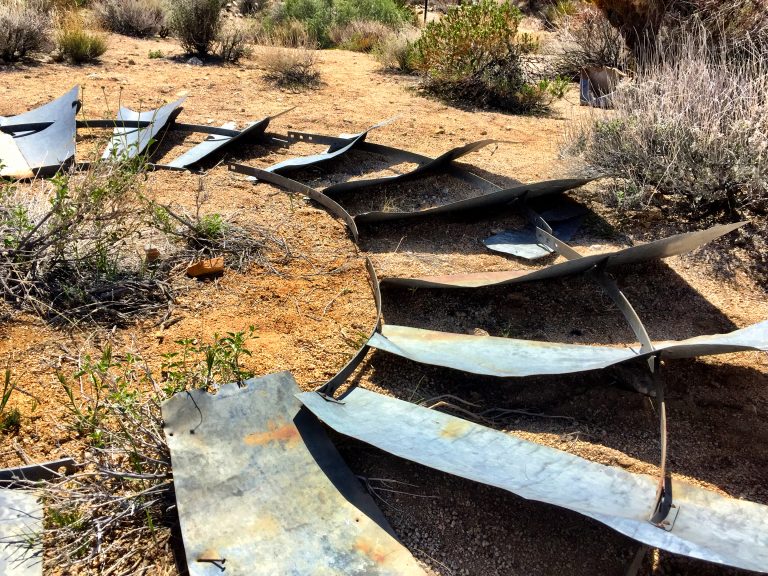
[[360, 35], [196, 23], [472, 55], [76, 43], [139, 18], [319, 17], [23, 28], [398, 51], [692, 129]]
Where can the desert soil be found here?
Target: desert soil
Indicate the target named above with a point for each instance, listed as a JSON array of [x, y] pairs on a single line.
[[311, 318]]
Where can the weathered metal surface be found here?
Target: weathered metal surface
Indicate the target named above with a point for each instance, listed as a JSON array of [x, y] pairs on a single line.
[[20, 517], [129, 142], [664, 248], [425, 168], [261, 490], [216, 142], [334, 151], [524, 243], [40, 141], [492, 200], [509, 357], [35, 472], [708, 526]]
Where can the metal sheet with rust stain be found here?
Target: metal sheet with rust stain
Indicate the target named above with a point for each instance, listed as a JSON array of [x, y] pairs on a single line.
[[509, 357], [130, 142], [707, 526], [657, 249], [42, 149], [20, 517], [261, 490]]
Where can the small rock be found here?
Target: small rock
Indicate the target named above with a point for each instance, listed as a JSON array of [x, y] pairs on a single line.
[[480, 332], [152, 254], [207, 267], [440, 131], [195, 61], [131, 62]]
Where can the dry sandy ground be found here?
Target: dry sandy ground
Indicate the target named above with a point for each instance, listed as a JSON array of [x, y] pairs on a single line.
[[310, 320]]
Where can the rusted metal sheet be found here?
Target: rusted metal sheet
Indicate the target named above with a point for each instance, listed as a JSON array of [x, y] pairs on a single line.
[[40, 141], [492, 200], [425, 168], [664, 248], [508, 357], [704, 524], [130, 142], [21, 517], [261, 490]]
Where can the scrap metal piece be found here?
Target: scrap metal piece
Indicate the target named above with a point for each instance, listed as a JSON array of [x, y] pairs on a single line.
[[425, 167], [225, 136], [41, 141], [657, 249], [492, 200], [525, 243], [260, 489], [21, 516], [510, 357], [708, 526], [129, 142], [35, 472], [334, 151]]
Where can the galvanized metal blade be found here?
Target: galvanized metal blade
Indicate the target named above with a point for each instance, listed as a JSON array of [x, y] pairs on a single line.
[[261, 490], [129, 142], [658, 249], [704, 525], [21, 522], [43, 150]]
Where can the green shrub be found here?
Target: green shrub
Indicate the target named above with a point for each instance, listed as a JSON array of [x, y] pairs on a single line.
[[23, 29], [139, 18], [398, 51], [473, 55], [319, 17], [77, 44], [196, 23], [156, 54]]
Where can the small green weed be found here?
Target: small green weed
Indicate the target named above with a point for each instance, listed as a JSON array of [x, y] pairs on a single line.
[[156, 54]]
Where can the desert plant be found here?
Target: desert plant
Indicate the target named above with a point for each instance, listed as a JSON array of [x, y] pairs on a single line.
[[293, 68], [23, 28], [249, 7], [76, 43], [139, 18], [691, 128], [232, 41], [196, 23], [10, 420], [472, 55], [397, 51], [589, 39], [359, 35], [155, 54]]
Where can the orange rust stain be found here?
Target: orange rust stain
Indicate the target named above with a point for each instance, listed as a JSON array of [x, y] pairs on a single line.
[[287, 433], [454, 429], [372, 550]]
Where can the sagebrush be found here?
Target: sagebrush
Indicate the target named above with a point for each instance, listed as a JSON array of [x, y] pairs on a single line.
[[196, 23], [77, 44], [23, 28], [139, 18]]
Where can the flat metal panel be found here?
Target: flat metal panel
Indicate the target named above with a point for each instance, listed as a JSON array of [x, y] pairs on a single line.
[[509, 357], [216, 142], [707, 526], [129, 142], [261, 490], [664, 248], [20, 517], [42, 149]]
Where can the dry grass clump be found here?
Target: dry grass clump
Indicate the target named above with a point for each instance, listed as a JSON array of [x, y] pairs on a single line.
[[196, 23], [77, 44], [23, 28], [589, 39], [138, 18], [397, 51], [293, 68], [233, 41], [359, 35]]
